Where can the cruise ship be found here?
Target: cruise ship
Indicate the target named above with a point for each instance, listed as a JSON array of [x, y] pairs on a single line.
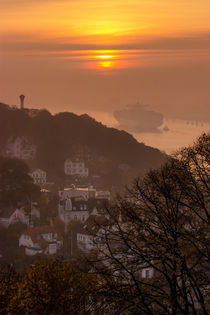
[[138, 118]]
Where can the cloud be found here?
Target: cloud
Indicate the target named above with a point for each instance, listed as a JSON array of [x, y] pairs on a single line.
[[25, 42], [10, 3]]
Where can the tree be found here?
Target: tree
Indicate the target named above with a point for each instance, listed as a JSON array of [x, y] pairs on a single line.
[[9, 280], [48, 206], [196, 161], [54, 287], [11, 253], [160, 226], [16, 186]]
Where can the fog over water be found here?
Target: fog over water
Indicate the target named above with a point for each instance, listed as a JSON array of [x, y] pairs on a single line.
[[181, 132]]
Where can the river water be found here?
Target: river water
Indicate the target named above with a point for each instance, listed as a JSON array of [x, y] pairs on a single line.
[[181, 132]]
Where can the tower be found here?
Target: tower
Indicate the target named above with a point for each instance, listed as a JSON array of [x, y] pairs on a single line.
[[22, 101]]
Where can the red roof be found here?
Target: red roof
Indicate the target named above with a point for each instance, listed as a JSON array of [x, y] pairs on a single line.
[[37, 231]]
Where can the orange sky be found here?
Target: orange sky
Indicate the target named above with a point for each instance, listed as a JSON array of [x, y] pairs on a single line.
[[98, 56], [71, 19]]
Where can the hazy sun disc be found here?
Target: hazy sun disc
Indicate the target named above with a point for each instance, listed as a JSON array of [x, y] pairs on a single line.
[[106, 60], [105, 57]]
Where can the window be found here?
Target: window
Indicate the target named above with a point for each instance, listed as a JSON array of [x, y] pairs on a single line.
[[147, 275]]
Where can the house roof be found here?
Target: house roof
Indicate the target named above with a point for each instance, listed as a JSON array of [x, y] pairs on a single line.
[[37, 231], [78, 204], [94, 223], [37, 170]]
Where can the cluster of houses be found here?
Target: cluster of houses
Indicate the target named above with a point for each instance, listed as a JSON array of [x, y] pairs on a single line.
[[83, 205], [87, 207], [76, 204], [80, 204], [73, 168], [36, 239], [41, 240], [22, 148]]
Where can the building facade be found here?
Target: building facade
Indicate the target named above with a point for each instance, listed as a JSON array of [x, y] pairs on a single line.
[[91, 232], [72, 192], [9, 216], [74, 209], [41, 240], [20, 148], [76, 168], [39, 177]]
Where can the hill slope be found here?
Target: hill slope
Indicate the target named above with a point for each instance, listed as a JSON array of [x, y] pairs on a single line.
[[108, 152]]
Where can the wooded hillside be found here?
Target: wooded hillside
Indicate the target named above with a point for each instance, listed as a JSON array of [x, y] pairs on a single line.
[[66, 135]]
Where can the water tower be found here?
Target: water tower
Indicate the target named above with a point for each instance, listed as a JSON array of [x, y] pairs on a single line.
[[22, 101]]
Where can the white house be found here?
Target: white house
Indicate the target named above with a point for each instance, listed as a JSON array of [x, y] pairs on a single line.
[[11, 215], [74, 209], [85, 242], [90, 232], [41, 240], [147, 272], [20, 148], [75, 168], [79, 209], [39, 177]]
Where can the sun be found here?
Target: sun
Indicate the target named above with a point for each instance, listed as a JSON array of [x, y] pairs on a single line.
[[104, 59], [107, 61], [101, 59]]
